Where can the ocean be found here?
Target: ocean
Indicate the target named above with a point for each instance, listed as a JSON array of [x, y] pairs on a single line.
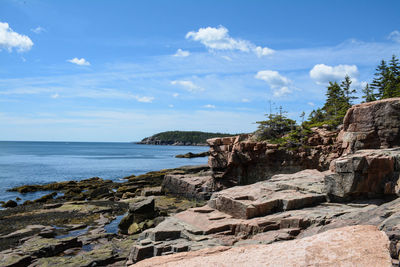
[[24, 163]]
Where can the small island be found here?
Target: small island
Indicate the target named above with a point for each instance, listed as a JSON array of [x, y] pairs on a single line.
[[182, 138]]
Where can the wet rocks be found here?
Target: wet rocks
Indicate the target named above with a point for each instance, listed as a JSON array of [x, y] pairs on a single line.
[[137, 218], [9, 204], [190, 155]]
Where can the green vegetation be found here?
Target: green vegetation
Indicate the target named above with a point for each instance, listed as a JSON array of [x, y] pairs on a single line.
[[386, 83], [193, 137], [339, 98]]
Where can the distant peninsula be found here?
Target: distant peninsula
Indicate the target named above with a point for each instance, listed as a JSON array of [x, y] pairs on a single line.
[[181, 138]]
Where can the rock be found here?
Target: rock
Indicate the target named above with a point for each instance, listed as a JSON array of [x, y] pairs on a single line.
[[10, 204], [141, 252], [188, 185], [100, 192], [14, 260], [370, 173], [371, 125], [151, 191], [47, 247], [145, 206], [138, 213], [45, 198], [241, 160], [348, 246], [169, 229], [103, 255], [284, 192], [190, 155]]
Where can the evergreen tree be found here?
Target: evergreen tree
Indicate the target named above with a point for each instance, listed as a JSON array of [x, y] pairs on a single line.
[[368, 93], [381, 79], [347, 90]]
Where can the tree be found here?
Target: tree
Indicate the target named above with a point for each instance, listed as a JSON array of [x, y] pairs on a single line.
[[336, 104], [275, 126], [347, 90], [381, 79], [302, 115], [368, 93]]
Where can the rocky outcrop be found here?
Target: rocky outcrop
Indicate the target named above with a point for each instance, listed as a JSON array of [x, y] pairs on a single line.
[[239, 160], [138, 216], [366, 173], [193, 183], [372, 125], [349, 246], [190, 155], [280, 193]]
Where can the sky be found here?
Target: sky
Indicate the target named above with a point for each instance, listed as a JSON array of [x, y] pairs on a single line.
[[123, 70]]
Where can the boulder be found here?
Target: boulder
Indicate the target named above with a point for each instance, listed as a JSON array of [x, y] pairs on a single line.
[[371, 173], [137, 218], [10, 204], [371, 125], [192, 186], [282, 192], [349, 246]]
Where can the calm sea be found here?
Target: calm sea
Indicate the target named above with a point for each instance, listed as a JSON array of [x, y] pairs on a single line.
[[44, 162]]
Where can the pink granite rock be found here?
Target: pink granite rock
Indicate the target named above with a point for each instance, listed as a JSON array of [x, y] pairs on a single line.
[[349, 246]]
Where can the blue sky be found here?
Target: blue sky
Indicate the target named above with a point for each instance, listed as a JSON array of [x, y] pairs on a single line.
[[124, 70]]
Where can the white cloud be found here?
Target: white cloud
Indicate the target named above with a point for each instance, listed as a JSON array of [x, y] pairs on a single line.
[[278, 83], [38, 30], [80, 62], [56, 95], [181, 53], [144, 99], [323, 74], [311, 104], [188, 85], [282, 91], [394, 36], [208, 106], [245, 100], [171, 106], [10, 39], [175, 95], [263, 51], [273, 78], [219, 39]]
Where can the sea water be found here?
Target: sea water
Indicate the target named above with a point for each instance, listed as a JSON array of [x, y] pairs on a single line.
[[24, 163]]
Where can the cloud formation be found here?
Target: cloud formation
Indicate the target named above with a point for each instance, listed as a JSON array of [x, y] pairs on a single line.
[[38, 30], [278, 83], [187, 85], [219, 39], [10, 39], [80, 62], [394, 36], [322, 74], [144, 99], [209, 106], [181, 53]]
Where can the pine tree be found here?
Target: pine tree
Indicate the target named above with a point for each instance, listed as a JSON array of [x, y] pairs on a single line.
[[347, 90], [368, 93], [381, 79]]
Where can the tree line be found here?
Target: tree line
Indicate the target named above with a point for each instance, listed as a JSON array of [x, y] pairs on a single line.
[[339, 98]]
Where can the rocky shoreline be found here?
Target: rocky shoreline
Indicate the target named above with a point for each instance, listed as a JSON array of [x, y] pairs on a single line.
[[333, 202]]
